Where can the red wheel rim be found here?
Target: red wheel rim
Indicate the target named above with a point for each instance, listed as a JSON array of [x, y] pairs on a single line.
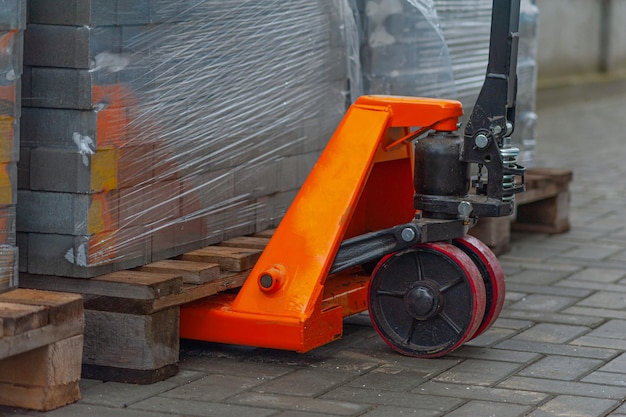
[[493, 277], [428, 300]]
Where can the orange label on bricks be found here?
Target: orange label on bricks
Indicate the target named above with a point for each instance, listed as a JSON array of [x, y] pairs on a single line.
[[6, 186]]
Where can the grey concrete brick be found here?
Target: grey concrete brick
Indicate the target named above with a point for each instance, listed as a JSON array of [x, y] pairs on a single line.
[[595, 252], [57, 46], [488, 338], [73, 12], [49, 212], [257, 180], [472, 352], [120, 395], [606, 378], [198, 360], [557, 349], [69, 171], [306, 382], [78, 410], [56, 127], [477, 372], [396, 399], [546, 303], [567, 319], [22, 244], [58, 88], [65, 255], [298, 403], [199, 408], [213, 388], [554, 386], [551, 333], [604, 299], [134, 12], [560, 367], [483, 408], [473, 392], [12, 14], [389, 377], [548, 290], [572, 405], [535, 277]]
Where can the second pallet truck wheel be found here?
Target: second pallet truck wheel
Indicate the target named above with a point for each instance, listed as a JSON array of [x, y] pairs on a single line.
[[493, 277], [428, 300]]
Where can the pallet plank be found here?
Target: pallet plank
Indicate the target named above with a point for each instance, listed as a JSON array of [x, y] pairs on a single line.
[[61, 306], [192, 272], [20, 318], [229, 259], [248, 242]]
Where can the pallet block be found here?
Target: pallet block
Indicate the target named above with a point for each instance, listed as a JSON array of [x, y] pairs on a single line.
[[542, 208], [132, 317], [41, 346]]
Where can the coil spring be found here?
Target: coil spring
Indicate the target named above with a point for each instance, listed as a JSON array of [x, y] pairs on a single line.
[[509, 160]]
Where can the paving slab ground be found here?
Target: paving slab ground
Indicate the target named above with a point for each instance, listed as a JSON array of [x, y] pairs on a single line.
[[558, 348]]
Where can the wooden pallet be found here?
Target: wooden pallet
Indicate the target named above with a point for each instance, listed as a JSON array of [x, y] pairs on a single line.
[[542, 208], [41, 344], [132, 317]]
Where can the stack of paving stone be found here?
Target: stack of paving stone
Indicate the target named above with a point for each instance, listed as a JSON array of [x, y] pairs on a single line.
[[440, 49], [153, 127], [12, 24]]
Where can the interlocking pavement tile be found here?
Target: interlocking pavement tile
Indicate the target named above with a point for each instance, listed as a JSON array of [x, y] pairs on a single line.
[[298, 403], [555, 318], [491, 336], [473, 392], [604, 275], [81, 410], [554, 386], [605, 299], [484, 408], [536, 277], [609, 335], [390, 410], [617, 365], [116, 394], [594, 252], [560, 367], [477, 372], [607, 378], [213, 387], [552, 333], [557, 349], [391, 378], [306, 382], [570, 405], [502, 355], [200, 408], [396, 399], [262, 371], [543, 303]]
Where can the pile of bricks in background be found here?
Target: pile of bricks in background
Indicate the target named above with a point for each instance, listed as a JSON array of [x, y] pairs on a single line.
[[440, 49], [150, 128], [12, 25], [41, 346]]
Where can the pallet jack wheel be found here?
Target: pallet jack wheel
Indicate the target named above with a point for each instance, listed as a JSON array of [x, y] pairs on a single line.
[[492, 274], [428, 300]]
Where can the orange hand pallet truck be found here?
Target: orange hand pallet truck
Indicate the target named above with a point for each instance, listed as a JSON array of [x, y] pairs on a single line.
[[381, 224]]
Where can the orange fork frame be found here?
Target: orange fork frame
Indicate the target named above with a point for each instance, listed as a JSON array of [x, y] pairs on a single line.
[[362, 182]]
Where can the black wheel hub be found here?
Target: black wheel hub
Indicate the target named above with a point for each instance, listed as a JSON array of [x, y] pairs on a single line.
[[423, 300]]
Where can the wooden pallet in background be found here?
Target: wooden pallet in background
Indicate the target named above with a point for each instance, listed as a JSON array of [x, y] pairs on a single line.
[[41, 345], [132, 317], [542, 208]]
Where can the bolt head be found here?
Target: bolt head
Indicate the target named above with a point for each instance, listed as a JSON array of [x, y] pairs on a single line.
[[481, 141], [408, 234]]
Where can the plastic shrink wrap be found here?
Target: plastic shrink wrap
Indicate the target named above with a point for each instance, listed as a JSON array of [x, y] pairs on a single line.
[[153, 127], [12, 24], [440, 48]]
